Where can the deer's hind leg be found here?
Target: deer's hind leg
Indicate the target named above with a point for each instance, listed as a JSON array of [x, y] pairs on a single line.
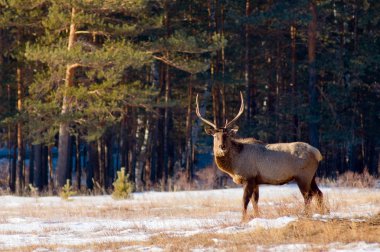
[[255, 200], [305, 188], [315, 191]]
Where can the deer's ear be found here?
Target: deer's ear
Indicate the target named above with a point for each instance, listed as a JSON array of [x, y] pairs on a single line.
[[233, 131], [210, 131]]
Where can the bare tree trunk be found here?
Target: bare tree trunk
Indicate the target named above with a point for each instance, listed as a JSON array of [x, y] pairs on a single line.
[[64, 137], [167, 158], [143, 135], [92, 173], [149, 151], [124, 149], [223, 89], [11, 158], [37, 149], [101, 163], [78, 167], [313, 95], [51, 170], [189, 164], [45, 167], [132, 144], [166, 124], [31, 165], [247, 61], [215, 105], [293, 84], [20, 145]]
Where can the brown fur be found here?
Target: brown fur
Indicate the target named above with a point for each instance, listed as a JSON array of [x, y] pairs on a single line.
[[249, 161]]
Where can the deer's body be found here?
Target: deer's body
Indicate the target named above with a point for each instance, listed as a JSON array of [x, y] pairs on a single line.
[[251, 162], [273, 164]]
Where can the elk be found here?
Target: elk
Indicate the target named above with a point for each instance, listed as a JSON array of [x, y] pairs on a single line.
[[251, 162]]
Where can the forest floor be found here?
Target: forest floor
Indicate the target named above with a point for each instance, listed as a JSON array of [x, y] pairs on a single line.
[[192, 221]]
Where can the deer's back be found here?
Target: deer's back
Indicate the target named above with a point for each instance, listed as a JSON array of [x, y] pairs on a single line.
[[278, 163]]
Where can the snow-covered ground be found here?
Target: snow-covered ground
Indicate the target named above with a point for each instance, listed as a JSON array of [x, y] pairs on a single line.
[[46, 223]]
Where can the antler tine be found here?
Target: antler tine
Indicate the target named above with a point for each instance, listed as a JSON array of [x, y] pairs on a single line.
[[239, 114], [199, 114]]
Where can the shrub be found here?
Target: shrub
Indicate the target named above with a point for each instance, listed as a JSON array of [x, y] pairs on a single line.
[[67, 191], [122, 186]]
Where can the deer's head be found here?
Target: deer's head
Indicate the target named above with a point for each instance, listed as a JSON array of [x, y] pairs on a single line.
[[222, 135]]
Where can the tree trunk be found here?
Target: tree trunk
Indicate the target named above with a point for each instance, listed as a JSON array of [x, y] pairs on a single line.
[[248, 76], [51, 170], [189, 164], [92, 173], [124, 148], [78, 167], [132, 145], [148, 175], [313, 95], [101, 163], [37, 149], [64, 137], [45, 167], [31, 165], [110, 163], [20, 145], [14, 161], [293, 84], [11, 158]]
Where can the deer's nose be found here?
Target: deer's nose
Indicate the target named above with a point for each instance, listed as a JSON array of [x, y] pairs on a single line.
[[222, 146]]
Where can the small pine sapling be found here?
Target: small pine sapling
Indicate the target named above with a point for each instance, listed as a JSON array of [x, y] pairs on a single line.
[[67, 191], [33, 191], [122, 186]]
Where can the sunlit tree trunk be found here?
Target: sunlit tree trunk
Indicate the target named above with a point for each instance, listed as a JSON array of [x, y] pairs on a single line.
[[64, 136], [20, 183]]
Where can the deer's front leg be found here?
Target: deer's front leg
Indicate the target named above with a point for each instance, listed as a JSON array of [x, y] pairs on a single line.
[[248, 191]]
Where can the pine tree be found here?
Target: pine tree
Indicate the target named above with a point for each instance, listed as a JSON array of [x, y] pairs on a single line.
[[93, 68], [122, 186]]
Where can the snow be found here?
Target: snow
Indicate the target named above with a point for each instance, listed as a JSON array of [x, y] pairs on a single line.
[[259, 223], [24, 223], [332, 247]]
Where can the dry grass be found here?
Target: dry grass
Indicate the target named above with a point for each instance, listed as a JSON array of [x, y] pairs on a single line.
[[351, 179], [302, 231], [316, 233]]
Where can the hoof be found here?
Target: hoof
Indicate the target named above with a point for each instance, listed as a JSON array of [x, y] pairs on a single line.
[[245, 218], [323, 210]]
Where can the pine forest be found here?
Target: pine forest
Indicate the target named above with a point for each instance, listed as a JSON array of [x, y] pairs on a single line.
[[90, 88]]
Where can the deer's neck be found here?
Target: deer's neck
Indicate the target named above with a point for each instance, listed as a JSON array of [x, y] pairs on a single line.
[[224, 163]]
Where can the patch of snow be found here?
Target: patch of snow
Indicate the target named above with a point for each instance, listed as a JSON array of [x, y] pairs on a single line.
[[354, 247], [297, 247], [259, 223], [271, 223], [142, 249]]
